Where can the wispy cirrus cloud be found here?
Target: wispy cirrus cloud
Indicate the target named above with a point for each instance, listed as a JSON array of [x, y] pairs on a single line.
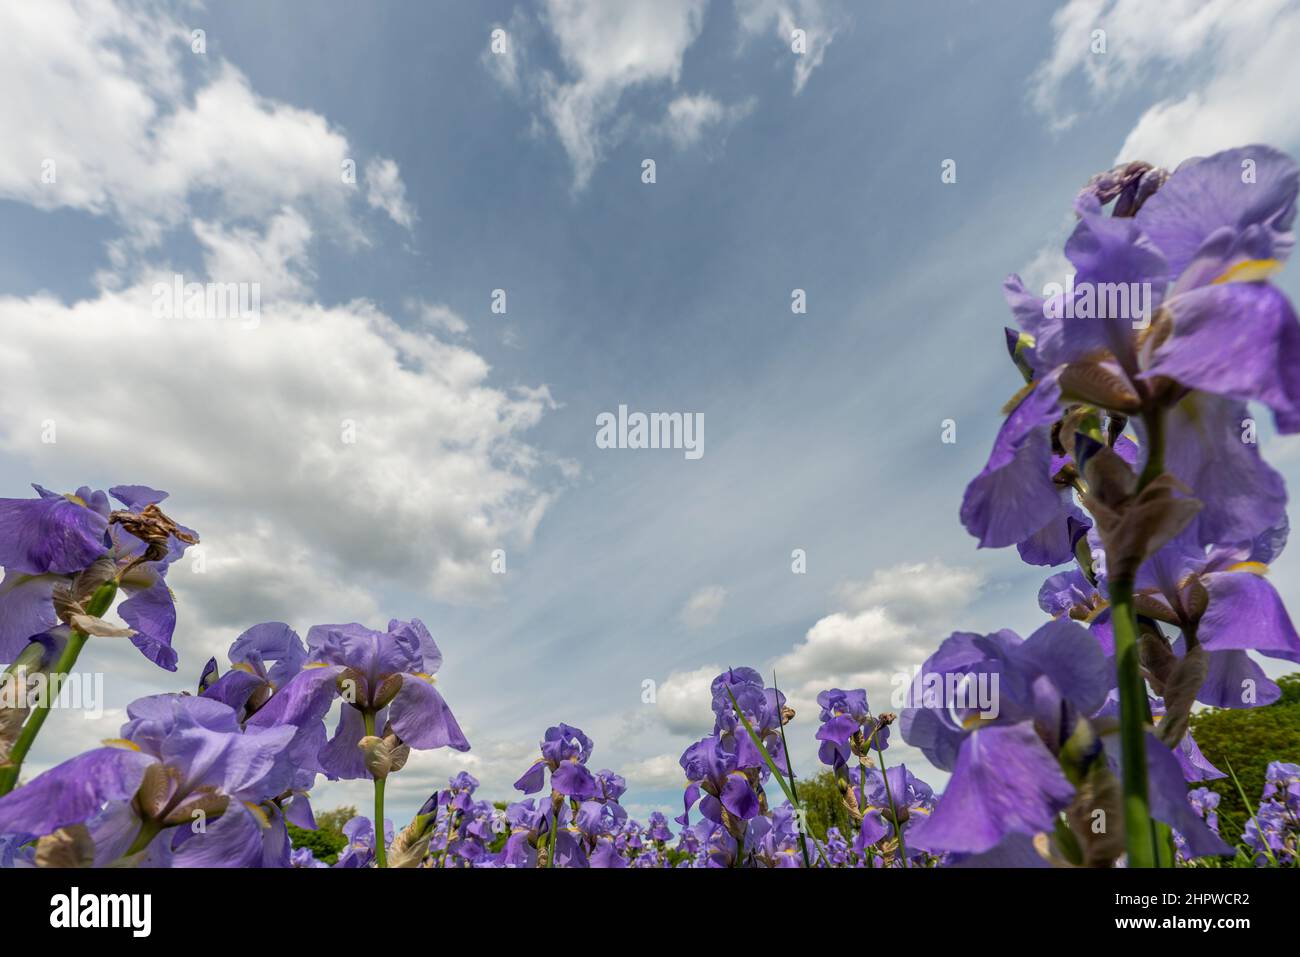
[[818, 20]]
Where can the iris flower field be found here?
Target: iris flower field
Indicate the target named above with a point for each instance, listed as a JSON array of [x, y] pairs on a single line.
[[323, 710]]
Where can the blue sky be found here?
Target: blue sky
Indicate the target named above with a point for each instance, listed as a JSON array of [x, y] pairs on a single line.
[[474, 431]]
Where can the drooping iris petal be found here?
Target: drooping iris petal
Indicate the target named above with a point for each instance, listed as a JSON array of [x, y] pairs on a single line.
[[1237, 339], [573, 780], [1103, 630], [1005, 782], [1016, 850], [606, 855], [235, 839], [1053, 544], [55, 534], [1242, 496], [298, 812], [26, 610], [532, 780], [1194, 765], [1168, 796], [302, 703], [151, 613], [739, 798], [114, 830], [422, 719], [73, 792], [1246, 612], [873, 829], [1014, 496], [341, 758], [1235, 681], [937, 739]]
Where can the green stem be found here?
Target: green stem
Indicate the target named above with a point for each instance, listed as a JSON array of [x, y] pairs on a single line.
[[381, 851], [555, 835], [1139, 836], [97, 606], [902, 845], [1155, 423], [148, 831], [789, 765]]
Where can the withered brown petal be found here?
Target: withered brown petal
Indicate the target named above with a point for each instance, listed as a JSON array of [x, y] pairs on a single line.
[[67, 847]]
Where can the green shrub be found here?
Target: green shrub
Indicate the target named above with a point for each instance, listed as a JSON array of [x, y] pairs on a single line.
[[327, 841], [821, 797], [1249, 739]]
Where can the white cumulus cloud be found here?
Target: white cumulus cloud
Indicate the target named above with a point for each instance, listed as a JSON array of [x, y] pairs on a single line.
[[683, 700], [1232, 62]]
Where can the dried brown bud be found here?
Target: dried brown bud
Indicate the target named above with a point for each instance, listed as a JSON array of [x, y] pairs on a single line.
[[152, 526]]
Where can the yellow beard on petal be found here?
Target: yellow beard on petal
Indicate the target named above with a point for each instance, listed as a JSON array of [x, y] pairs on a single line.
[[1249, 270]]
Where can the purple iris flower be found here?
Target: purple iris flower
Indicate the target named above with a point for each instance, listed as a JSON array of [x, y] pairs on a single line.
[[468, 835], [360, 849], [527, 824], [251, 682], [1219, 595], [1191, 762], [898, 789], [847, 723], [459, 794], [565, 750], [658, 827], [1203, 802], [185, 786], [714, 772], [388, 675], [570, 847], [1071, 594], [53, 543], [1273, 833], [304, 858], [610, 786], [977, 709], [1282, 783], [597, 825], [775, 838], [764, 709], [837, 849], [1202, 244]]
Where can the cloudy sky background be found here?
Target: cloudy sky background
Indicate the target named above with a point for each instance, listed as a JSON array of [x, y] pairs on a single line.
[[475, 431]]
